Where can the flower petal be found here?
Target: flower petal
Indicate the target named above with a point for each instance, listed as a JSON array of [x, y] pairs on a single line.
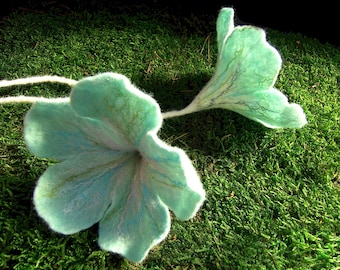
[[173, 176], [224, 26], [246, 70], [53, 130], [113, 100], [134, 229], [270, 108], [74, 194], [246, 63]]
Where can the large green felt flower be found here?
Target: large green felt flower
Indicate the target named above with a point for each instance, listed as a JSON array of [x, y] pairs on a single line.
[[112, 169]]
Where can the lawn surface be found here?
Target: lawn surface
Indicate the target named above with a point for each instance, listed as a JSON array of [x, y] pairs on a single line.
[[273, 196]]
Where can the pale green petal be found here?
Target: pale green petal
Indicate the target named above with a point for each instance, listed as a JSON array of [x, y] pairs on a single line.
[[224, 25], [270, 108], [134, 229], [173, 176], [54, 130], [74, 194], [246, 63], [163, 178], [246, 71], [113, 100]]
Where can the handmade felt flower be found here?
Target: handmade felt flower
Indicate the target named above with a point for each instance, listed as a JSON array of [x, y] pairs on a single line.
[[246, 70], [112, 168]]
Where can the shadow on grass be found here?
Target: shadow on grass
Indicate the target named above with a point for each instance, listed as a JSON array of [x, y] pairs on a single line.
[[212, 132]]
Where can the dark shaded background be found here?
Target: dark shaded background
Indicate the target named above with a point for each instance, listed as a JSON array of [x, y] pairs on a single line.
[[320, 20]]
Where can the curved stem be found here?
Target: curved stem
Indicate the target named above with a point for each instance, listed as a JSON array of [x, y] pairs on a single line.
[[38, 79], [186, 110], [32, 80], [25, 99]]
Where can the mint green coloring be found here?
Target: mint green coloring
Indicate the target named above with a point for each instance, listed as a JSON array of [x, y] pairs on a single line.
[[246, 71], [112, 168]]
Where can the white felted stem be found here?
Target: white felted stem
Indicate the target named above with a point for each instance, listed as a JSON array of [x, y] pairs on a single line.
[[41, 79], [32, 80], [24, 99], [187, 110]]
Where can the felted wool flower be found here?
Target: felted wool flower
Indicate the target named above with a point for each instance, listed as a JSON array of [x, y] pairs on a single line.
[[246, 71], [112, 168]]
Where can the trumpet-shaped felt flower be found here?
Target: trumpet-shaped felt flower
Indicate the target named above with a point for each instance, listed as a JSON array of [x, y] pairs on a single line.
[[246, 70], [112, 168]]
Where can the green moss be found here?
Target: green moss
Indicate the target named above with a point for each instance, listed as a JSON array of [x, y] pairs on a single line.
[[271, 201]]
